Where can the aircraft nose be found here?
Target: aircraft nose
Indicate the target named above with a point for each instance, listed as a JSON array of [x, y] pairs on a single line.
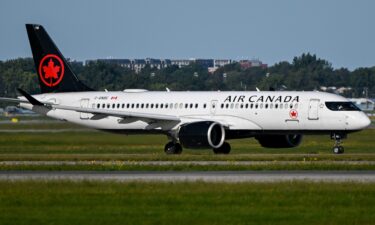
[[365, 121], [358, 121]]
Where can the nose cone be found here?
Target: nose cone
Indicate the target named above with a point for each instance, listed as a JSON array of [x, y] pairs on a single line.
[[366, 122], [358, 121], [363, 121]]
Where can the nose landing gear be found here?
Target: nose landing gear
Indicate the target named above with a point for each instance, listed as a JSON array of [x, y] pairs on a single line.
[[337, 148]]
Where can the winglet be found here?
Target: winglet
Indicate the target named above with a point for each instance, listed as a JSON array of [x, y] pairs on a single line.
[[30, 98]]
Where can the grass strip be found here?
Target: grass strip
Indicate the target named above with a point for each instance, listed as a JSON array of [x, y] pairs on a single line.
[[96, 203]]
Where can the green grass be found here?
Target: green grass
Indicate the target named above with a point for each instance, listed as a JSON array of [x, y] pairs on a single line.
[[65, 202], [101, 142], [92, 145]]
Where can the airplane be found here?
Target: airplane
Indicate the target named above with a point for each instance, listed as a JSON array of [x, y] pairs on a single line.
[[196, 120]]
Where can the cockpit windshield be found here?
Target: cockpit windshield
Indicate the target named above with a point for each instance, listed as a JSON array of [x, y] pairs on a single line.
[[342, 106]]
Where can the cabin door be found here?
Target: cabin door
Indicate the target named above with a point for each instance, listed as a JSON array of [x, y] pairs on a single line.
[[84, 104], [314, 109]]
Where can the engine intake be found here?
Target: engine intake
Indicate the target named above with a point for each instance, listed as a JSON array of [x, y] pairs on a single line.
[[202, 135], [279, 141]]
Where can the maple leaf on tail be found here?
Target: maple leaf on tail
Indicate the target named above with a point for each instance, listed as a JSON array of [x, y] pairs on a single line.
[[51, 70]]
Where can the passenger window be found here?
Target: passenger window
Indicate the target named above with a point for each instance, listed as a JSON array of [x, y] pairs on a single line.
[[196, 105], [152, 106], [156, 106], [271, 106], [181, 105], [204, 105], [247, 105], [171, 106], [108, 106], [222, 105], [186, 105], [123, 106], [256, 105], [142, 105], [276, 106], [236, 105], [266, 106], [191, 105], [161, 106], [98, 106], [103, 106], [113, 106]]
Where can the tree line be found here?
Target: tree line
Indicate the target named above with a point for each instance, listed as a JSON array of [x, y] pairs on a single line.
[[305, 73]]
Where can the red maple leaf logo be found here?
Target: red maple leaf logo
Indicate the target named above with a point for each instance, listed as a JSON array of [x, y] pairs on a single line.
[[51, 70], [293, 114]]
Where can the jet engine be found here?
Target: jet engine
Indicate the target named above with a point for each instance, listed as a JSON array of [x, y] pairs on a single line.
[[203, 134], [279, 141]]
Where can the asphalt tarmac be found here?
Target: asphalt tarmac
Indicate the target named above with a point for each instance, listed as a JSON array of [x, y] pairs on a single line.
[[216, 176]]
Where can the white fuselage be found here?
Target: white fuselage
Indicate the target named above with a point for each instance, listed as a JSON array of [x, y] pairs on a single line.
[[253, 111]]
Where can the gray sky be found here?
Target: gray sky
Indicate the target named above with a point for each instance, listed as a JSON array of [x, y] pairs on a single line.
[[340, 31]]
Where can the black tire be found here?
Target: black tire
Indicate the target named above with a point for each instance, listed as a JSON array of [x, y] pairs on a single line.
[[338, 150], [224, 149], [341, 149], [178, 148], [172, 148]]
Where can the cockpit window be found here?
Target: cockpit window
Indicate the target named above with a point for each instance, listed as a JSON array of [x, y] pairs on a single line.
[[342, 106]]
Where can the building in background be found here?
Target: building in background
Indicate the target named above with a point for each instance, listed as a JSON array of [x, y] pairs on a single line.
[[364, 104], [210, 64], [246, 64]]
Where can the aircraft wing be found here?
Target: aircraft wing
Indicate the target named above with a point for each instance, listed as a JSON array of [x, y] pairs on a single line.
[[17, 100], [101, 112], [122, 114], [14, 100]]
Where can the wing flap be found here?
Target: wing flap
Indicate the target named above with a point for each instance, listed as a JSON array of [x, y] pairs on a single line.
[[121, 114]]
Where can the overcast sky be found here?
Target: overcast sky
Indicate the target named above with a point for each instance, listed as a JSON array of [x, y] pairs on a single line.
[[341, 31]]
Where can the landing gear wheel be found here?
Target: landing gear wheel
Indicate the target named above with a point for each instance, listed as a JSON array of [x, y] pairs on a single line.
[[341, 149], [224, 149], [338, 149], [172, 148]]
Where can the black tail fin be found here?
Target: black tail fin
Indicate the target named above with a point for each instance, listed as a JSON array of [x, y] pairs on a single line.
[[54, 73]]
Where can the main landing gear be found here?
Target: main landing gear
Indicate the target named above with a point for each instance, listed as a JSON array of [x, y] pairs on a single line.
[[223, 149], [337, 148], [173, 148]]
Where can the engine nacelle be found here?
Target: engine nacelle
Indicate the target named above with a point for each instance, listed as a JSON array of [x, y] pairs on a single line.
[[202, 135], [279, 141]]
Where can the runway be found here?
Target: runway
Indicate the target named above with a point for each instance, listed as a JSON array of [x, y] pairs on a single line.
[[181, 163], [216, 176]]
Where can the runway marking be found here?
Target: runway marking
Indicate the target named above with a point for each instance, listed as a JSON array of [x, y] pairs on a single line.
[[222, 176]]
